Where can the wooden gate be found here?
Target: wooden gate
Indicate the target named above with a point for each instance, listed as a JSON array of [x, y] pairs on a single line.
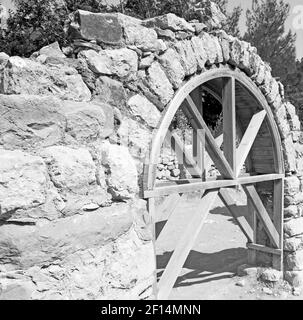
[[259, 150]]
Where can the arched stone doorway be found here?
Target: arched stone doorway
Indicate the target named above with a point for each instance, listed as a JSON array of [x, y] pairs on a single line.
[[255, 165]]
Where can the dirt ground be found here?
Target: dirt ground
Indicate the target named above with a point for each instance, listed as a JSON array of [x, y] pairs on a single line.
[[210, 271]]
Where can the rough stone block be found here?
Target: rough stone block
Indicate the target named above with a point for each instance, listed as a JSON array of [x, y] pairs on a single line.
[[291, 211], [111, 92], [144, 109], [52, 52], [122, 178], [30, 121], [103, 27], [187, 56], [295, 278], [295, 261], [70, 169], [282, 122], [271, 275], [235, 48], [143, 38], [294, 227], [293, 244], [289, 153], [159, 84], [210, 48], [292, 185], [25, 76], [88, 121], [23, 181], [200, 53], [169, 21], [172, 66], [117, 62], [22, 247], [15, 289], [135, 137]]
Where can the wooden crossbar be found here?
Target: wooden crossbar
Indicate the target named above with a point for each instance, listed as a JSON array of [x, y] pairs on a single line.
[[185, 244], [174, 187]]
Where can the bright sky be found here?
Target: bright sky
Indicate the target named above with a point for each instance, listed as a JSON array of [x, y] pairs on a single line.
[[245, 4], [295, 5]]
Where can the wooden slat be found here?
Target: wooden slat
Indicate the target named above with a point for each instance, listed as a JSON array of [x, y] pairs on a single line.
[[214, 184], [168, 206], [179, 149], [271, 230], [152, 213], [185, 245], [169, 227], [258, 247], [252, 254], [236, 212], [198, 145], [211, 146], [229, 121], [248, 139], [208, 160], [278, 206]]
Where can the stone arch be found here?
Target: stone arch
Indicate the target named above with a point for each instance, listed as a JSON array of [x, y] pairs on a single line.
[[125, 72]]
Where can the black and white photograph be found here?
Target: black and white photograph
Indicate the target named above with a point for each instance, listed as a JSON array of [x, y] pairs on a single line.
[[151, 151]]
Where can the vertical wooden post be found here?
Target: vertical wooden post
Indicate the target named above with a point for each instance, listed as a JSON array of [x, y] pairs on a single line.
[[198, 145], [152, 212], [229, 121], [278, 212], [252, 254]]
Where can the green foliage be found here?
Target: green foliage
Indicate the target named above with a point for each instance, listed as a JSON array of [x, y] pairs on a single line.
[[266, 30], [34, 24], [232, 22], [294, 88]]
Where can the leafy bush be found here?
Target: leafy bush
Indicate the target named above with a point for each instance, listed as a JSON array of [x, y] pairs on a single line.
[[37, 23], [34, 24]]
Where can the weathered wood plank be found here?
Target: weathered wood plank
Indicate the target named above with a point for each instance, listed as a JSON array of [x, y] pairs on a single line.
[[214, 184], [252, 254], [152, 213], [168, 206], [185, 244], [271, 230], [231, 206], [229, 121], [248, 139], [208, 160], [198, 144]]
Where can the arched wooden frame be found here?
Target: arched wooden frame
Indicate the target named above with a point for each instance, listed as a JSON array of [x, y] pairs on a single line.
[[229, 166]]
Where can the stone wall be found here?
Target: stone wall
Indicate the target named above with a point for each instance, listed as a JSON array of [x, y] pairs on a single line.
[[75, 128]]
